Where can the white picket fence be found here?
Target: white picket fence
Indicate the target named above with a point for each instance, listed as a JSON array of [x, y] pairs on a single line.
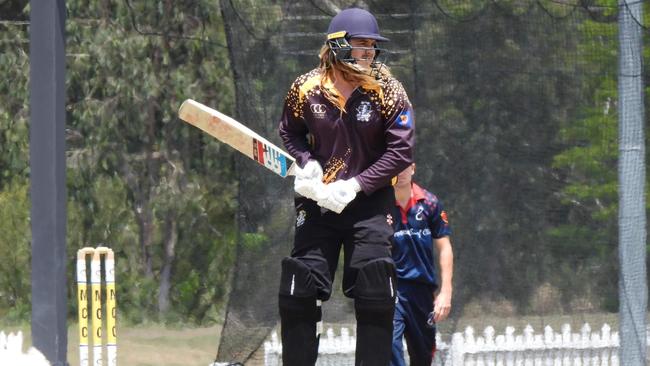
[[11, 352], [549, 348]]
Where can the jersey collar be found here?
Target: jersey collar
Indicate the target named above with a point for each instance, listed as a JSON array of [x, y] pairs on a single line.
[[417, 194]]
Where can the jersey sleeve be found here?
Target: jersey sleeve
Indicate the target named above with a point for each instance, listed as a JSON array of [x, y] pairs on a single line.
[[438, 220], [293, 130], [399, 135]]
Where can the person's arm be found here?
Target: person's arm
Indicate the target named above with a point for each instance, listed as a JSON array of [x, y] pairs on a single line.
[[441, 231], [442, 303], [293, 129]]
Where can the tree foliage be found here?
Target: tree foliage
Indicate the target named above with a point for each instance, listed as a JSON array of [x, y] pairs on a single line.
[[586, 243], [140, 181], [15, 234], [161, 192], [516, 109]]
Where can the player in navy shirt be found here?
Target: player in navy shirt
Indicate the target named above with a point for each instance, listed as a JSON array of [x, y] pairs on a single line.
[[420, 223]]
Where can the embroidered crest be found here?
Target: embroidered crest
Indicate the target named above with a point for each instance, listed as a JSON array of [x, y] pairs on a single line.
[[443, 216], [300, 219], [364, 111], [405, 120]]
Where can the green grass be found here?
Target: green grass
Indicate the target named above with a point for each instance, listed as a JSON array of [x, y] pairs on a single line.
[[149, 345], [158, 345]]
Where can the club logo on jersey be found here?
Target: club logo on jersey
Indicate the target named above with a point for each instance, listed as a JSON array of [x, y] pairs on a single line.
[[318, 110], [443, 216], [405, 120], [412, 232], [300, 218], [270, 157], [364, 111]]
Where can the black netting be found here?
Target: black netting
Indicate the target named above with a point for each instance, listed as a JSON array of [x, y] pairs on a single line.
[[520, 127], [516, 120]]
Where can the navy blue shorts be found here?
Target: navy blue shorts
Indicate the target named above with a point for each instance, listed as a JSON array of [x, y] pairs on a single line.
[[414, 304]]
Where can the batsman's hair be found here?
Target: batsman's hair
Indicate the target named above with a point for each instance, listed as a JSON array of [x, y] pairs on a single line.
[[351, 72]]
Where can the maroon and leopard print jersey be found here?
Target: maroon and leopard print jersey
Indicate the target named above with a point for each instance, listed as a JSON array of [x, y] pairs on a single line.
[[371, 139]]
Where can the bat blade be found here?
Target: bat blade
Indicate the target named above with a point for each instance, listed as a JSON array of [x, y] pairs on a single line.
[[238, 136]]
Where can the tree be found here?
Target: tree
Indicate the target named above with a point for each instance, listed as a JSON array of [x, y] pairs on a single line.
[[589, 165], [497, 86], [124, 87], [15, 258]]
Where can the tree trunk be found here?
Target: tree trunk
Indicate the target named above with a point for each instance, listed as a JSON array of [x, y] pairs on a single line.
[[171, 237], [145, 222], [142, 212]]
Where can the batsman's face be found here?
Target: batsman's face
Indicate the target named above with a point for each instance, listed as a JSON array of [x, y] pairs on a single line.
[[363, 50]]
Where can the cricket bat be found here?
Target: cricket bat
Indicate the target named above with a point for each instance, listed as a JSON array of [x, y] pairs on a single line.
[[238, 136]]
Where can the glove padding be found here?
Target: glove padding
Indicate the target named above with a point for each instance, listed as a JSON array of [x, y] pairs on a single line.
[[312, 170], [309, 181], [314, 189], [339, 194]]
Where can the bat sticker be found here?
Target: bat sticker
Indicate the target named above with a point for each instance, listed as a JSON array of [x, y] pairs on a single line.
[[271, 158]]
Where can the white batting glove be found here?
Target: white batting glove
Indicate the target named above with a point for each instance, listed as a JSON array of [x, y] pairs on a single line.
[[314, 189], [312, 170], [309, 181], [339, 194]]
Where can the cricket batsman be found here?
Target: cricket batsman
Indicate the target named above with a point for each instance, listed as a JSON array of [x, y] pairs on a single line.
[[349, 125]]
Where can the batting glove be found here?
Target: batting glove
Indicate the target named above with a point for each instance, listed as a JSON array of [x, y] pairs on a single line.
[[309, 181], [314, 189], [339, 194], [312, 170]]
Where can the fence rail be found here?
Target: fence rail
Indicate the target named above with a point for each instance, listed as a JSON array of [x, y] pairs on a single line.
[[527, 348]]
